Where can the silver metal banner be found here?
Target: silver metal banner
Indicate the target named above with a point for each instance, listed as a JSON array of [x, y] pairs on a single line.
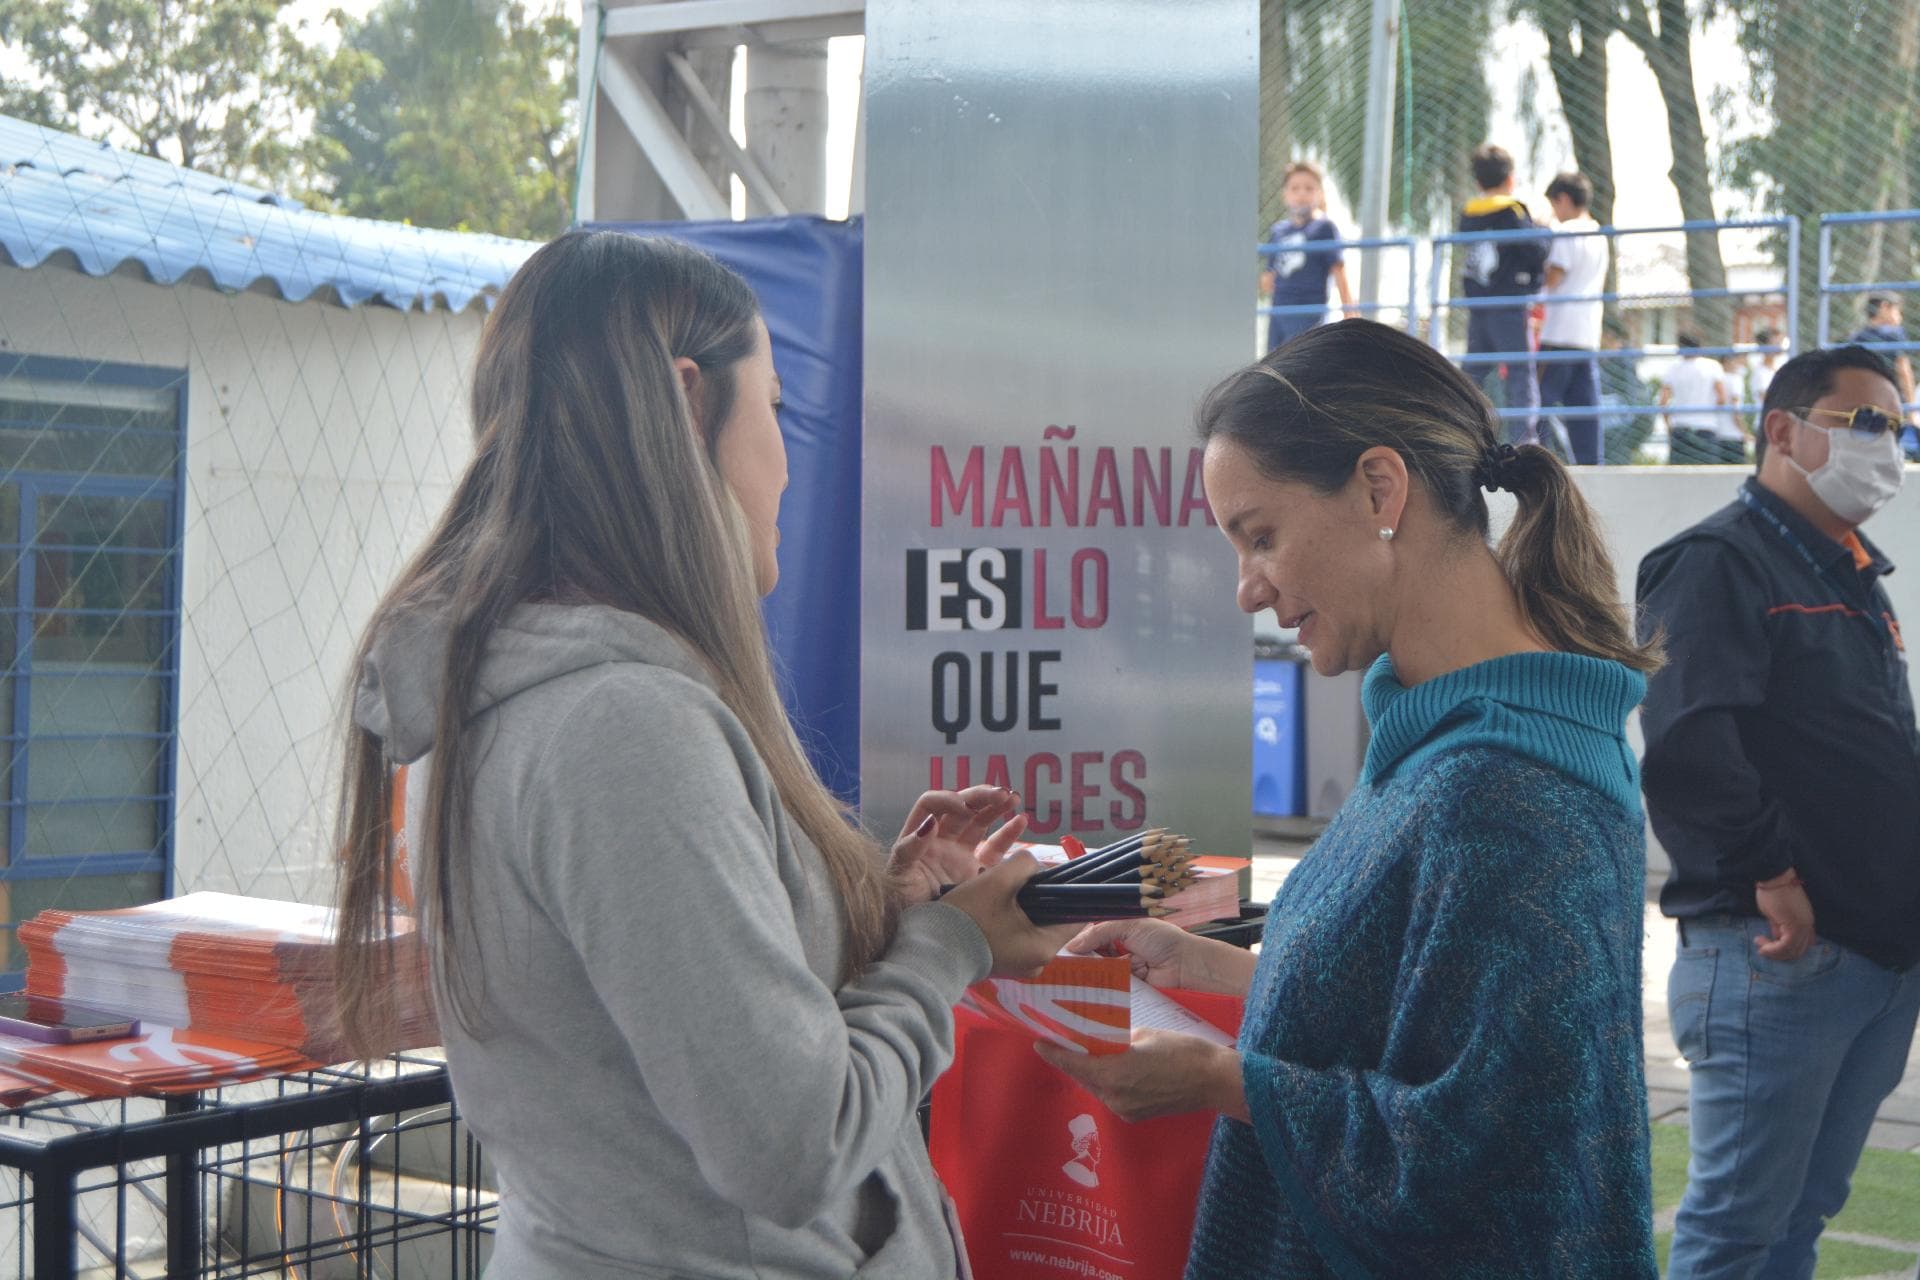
[[1059, 194]]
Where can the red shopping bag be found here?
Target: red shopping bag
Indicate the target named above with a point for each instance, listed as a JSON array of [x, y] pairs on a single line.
[[1047, 1182]]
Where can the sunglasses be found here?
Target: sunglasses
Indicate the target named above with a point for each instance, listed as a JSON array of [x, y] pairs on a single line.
[[1865, 422]]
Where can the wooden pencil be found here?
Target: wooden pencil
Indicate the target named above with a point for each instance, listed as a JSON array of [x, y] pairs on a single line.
[[1099, 862]]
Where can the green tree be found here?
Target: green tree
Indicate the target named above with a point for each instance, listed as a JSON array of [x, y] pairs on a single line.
[[1662, 30], [1276, 123], [218, 85], [1577, 32], [1314, 100], [466, 121], [1831, 141]]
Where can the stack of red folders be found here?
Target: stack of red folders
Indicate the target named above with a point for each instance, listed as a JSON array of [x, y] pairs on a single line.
[[158, 1060], [249, 969], [1153, 875]]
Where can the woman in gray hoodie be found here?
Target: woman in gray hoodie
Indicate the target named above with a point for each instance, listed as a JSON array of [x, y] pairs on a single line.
[[689, 1009]]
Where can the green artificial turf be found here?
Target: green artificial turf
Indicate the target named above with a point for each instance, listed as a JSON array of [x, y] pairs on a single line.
[[1885, 1202]]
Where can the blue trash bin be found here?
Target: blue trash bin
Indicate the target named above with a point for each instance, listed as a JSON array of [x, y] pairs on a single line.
[[1279, 734]]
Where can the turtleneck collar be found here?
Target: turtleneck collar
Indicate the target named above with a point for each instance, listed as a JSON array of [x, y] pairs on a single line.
[[1564, 710]]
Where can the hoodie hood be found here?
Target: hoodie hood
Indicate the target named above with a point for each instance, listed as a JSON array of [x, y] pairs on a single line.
[[398, 696], [1563, 710], [1482, 205]]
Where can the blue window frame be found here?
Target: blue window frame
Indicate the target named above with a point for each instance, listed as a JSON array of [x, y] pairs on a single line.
[[92, 470]]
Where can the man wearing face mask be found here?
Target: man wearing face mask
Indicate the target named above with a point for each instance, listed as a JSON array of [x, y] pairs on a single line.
[[1782, 775]]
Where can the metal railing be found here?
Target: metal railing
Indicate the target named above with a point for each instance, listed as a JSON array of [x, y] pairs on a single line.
[[361, 1170], [1439, 301], [1830, 289], [1406, 244]]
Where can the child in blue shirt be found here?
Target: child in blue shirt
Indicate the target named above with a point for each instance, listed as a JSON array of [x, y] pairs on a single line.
[[1297, 273]]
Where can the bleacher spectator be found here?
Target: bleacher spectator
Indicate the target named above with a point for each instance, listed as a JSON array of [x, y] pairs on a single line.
[[1620, 384], [1501, 269], [1297, 273], [1735, 385], [1700, 430], [1885, 324], [1760, 377], [1576, 268]]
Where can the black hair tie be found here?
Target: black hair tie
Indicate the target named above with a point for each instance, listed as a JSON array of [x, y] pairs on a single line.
[[1496, 469]]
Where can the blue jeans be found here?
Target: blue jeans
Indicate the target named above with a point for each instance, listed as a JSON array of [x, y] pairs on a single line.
[[1790, 1061], [1283, 329], [1492, 329], [1574, 384]]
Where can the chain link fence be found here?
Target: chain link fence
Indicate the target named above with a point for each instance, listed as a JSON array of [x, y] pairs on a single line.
[[1760, 199]]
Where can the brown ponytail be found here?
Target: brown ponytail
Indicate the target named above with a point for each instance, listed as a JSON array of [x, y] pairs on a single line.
[[1310, 409], [1558, 564]]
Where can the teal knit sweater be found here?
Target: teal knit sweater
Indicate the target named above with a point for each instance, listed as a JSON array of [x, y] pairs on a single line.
[[1442, 1050]]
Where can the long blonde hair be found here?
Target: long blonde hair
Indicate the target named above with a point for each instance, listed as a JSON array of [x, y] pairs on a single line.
[[590, 483]]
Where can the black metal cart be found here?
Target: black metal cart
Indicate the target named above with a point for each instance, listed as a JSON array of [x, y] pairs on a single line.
[[359, 1172]]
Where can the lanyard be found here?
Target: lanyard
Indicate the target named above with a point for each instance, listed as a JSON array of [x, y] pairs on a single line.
[[1791, 538]]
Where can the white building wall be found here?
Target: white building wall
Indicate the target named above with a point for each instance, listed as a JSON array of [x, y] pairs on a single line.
[[321, 443], [1641, 507]]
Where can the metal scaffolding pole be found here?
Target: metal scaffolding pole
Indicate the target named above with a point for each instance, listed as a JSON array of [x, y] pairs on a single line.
[[1376, 170], [652, 82], [787, 124]]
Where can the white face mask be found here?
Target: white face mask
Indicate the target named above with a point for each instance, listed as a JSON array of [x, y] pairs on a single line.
[[1860, 476]]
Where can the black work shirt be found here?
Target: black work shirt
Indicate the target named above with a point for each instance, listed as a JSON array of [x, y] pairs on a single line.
[[1781, 733]]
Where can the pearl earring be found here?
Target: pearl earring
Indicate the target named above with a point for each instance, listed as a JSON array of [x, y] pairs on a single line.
[[1386, 535]]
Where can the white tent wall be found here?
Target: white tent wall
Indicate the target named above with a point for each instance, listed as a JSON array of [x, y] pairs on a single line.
[[321, 442]]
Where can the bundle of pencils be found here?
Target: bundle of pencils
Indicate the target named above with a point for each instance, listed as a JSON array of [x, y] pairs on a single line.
[[1128, 879]]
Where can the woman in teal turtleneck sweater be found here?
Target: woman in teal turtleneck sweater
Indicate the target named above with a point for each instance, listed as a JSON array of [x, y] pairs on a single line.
[[1440, 1070]]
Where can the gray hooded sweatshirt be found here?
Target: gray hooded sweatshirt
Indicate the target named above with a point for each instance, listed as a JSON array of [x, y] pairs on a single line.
[[660, 1064]]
